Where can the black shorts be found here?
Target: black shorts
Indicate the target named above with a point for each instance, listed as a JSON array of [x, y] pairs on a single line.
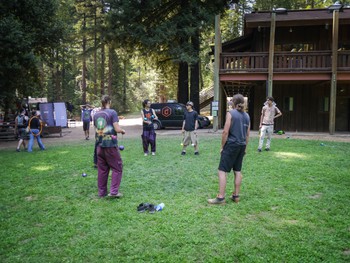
[[232, 157], [86, 125]]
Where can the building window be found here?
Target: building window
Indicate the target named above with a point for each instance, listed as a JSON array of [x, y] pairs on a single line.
[[288, 104], [323, 104]]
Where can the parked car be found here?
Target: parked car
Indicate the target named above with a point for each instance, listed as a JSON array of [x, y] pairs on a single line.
[[171, 114]]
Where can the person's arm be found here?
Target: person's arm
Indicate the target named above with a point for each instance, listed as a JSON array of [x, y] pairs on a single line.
[[247, 138], [226, 130], [16, 125], [261, 117], [196, 124], [155, 115], [117, 128], [279, 113]]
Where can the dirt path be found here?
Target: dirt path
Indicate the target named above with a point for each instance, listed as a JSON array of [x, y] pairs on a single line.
[[133, 129]]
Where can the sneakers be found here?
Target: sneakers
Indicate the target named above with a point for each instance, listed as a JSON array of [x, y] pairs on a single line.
[[217, 201], [146, 154], [153, 153], [18, 150], [183, 153], [118, 195], [234, 198], [259, 150], [267, 149], [143, 207], [196, 153]]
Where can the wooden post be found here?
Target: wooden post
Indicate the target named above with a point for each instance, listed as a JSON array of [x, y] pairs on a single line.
[[216, 69], [271, 54], [333, 93]]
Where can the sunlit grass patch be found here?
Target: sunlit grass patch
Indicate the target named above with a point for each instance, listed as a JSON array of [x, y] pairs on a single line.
[[293, 208]]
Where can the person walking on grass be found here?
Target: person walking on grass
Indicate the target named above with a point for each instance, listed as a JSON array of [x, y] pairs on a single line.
[[148, 133], [106, 122], [269, 112], [21, 123], [35, 131], [86, 119], [234, 142], [189, 129]]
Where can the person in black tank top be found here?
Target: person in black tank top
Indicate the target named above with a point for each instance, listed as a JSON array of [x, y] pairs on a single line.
[[148, 134], [234, 143]]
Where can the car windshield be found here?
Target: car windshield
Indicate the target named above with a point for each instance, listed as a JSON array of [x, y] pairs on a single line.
[[179, 110]]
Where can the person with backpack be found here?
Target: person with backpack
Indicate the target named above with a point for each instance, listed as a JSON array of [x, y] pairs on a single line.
[[21, 123], [86, 119]]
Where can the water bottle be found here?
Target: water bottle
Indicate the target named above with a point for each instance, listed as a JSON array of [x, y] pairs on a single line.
[[160, 207]]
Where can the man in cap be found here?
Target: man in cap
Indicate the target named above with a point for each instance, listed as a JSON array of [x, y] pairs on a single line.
[[189, 128]]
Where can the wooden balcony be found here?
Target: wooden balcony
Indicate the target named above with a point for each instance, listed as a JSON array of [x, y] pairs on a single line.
[[284, 62]]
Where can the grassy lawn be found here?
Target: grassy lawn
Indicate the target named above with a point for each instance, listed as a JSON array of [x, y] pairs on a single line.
[[294, 205]]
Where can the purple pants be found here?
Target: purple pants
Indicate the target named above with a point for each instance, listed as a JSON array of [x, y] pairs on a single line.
[[108, 159], [149, 137]]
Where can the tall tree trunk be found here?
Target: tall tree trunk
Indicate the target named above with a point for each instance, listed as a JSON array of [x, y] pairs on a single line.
[[102, 69], [83, 77], [124, 84], [194, 88], [95, 55], [182, 83], [58, 90], [110, 70]]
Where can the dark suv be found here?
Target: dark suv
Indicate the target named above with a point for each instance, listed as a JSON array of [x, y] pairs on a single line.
[[171, 114]]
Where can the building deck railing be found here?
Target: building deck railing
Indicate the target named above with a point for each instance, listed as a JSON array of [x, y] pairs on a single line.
[[312, 61]]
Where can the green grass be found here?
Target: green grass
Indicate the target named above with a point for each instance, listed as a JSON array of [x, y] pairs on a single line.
[[294, 205]]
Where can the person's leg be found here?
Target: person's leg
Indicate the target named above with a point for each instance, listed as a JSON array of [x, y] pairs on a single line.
[[95, 155], [153, 136], [144, 137], [237, 167], [222, 183], [262, 136], [24, 144], [186, 141], [116, 164], [194, 140], [102, 172], [19, 145], [31, 141], [40, 143], [237, 183], [269, 135]]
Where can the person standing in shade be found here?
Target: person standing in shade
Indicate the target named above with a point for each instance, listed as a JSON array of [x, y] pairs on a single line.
[[106, 122], [268, 114], [86, 119], [34, 131], [148, 133], [189, 129], [21, 123], [234, 142]]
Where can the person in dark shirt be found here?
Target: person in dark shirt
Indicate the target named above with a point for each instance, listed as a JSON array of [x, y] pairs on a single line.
[[106, 124], [148, 133], [189, 129], [35, 131], [234, 141]]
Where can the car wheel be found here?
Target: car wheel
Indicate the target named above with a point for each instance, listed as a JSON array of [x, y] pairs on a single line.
[[157, 125]]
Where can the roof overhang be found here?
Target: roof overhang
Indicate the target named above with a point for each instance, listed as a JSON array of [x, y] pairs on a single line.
[[296, 18]]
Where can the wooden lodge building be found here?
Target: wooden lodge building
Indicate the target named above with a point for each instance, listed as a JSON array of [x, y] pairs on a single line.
[[301, 58]]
